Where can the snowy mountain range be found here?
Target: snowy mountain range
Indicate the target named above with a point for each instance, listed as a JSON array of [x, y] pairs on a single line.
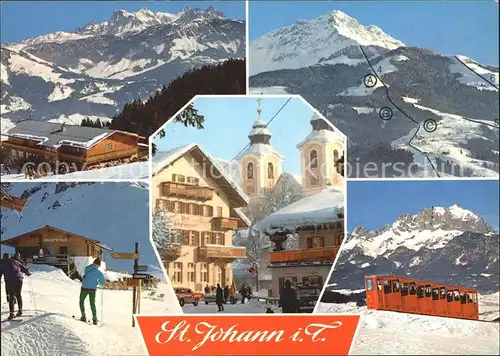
[[449, 245], [327, 59], [93, 71], [110, 213]]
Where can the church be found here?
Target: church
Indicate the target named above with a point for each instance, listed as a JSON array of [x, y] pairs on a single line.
[[315, 221]]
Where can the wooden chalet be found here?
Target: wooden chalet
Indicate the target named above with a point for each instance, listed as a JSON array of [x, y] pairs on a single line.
[[52, 246], [40, 141]]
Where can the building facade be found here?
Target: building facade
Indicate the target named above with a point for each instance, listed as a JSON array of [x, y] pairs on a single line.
[[203, 204], [322, 157], [85, 147], [261, 164]]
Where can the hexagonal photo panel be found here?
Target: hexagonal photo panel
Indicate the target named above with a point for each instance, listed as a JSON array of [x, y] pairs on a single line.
[[248, 197]]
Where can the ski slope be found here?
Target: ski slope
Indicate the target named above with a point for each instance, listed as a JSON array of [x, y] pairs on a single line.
[[392, 333], [53, 332]]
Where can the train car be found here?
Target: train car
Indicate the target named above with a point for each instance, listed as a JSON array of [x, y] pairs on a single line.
[[408, 295]]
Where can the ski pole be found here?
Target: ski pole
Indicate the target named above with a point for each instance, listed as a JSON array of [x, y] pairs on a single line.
[[102, 304]]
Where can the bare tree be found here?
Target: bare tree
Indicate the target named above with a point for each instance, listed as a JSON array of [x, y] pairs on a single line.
[[258, 245], [166, 237]]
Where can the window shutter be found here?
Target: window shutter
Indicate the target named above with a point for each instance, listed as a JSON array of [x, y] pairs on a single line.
[[185, 237]]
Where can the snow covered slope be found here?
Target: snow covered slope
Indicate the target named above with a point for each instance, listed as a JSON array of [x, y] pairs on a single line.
[[444, 108], [450, 245], [116, 214], [392, 333], [329, 39], [53, 331], [96, 69]]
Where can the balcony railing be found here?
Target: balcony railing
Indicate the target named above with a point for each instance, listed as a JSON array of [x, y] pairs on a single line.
[[323, 254], [223, 252], [220, 223], [187, 191]]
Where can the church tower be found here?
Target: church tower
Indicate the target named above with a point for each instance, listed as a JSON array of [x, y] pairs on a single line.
[[261, 164], [322, 156]]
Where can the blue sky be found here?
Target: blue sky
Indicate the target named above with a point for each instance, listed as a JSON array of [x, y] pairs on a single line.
[[21, 20], [468, 28], [374, 204], [228, 122]]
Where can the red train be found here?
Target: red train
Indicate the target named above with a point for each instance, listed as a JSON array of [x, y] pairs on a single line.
[[407, 295]]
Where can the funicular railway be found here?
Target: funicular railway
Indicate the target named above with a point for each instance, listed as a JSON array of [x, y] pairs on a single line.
[[407, 295]]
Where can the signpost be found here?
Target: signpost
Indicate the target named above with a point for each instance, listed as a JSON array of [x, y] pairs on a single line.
[[141, 276], [136, 293]]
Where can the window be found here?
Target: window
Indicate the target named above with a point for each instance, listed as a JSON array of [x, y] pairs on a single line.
[[404, 289], [109, 147], [449, 296], [250, 170], [474, 298], [314, 180], [456, 295], [428, 291], [435, 293], [193, 180], [369, 284], [395, 286], [313, 159], [387, 286], [219, 211], [379, 284], [463, 299], [207, 210], [204, 273], [191, 273], [206, 238], [192, 238], [315, 242], [177, 207], [336, 163], [442, 293], [177, 272], [270, 171], [179, 178], [191, 209], [413, 289], [420, 292]]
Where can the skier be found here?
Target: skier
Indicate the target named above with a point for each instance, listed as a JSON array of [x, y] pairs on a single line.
[[226, 294], [219, 298], [12, 271], [92, 277], [288, 299], [5, 261]]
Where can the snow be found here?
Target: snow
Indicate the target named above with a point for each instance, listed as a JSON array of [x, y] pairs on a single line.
[[451, 130], [320, 208], [25, 63], [323, 136], [323, 40], [60, 93], [468, 76], [99, 98], [4, 74], [122, 69], [52, 298], [363, 110], [275, 90], [135, 170], [362, 90], [382, 332], [254, 306], [261, 149], [410, 100], [12, 104]]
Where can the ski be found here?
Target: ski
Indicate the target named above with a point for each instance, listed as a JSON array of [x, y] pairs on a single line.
[[90, 322]]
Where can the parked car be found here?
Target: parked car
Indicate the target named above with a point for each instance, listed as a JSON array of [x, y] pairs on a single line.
[[210, 298], [307, 296], [186, 296]]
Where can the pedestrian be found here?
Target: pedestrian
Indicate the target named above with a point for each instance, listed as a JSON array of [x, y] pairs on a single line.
[[249, 292], [5, 262], [226, 294], [243, 293], [92, 278], [207, 289], [288, 299], [13, 270], [219, 298]]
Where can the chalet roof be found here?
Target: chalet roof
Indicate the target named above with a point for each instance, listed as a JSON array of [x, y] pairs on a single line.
[[9, 241], [164, 159], [52, 134]]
